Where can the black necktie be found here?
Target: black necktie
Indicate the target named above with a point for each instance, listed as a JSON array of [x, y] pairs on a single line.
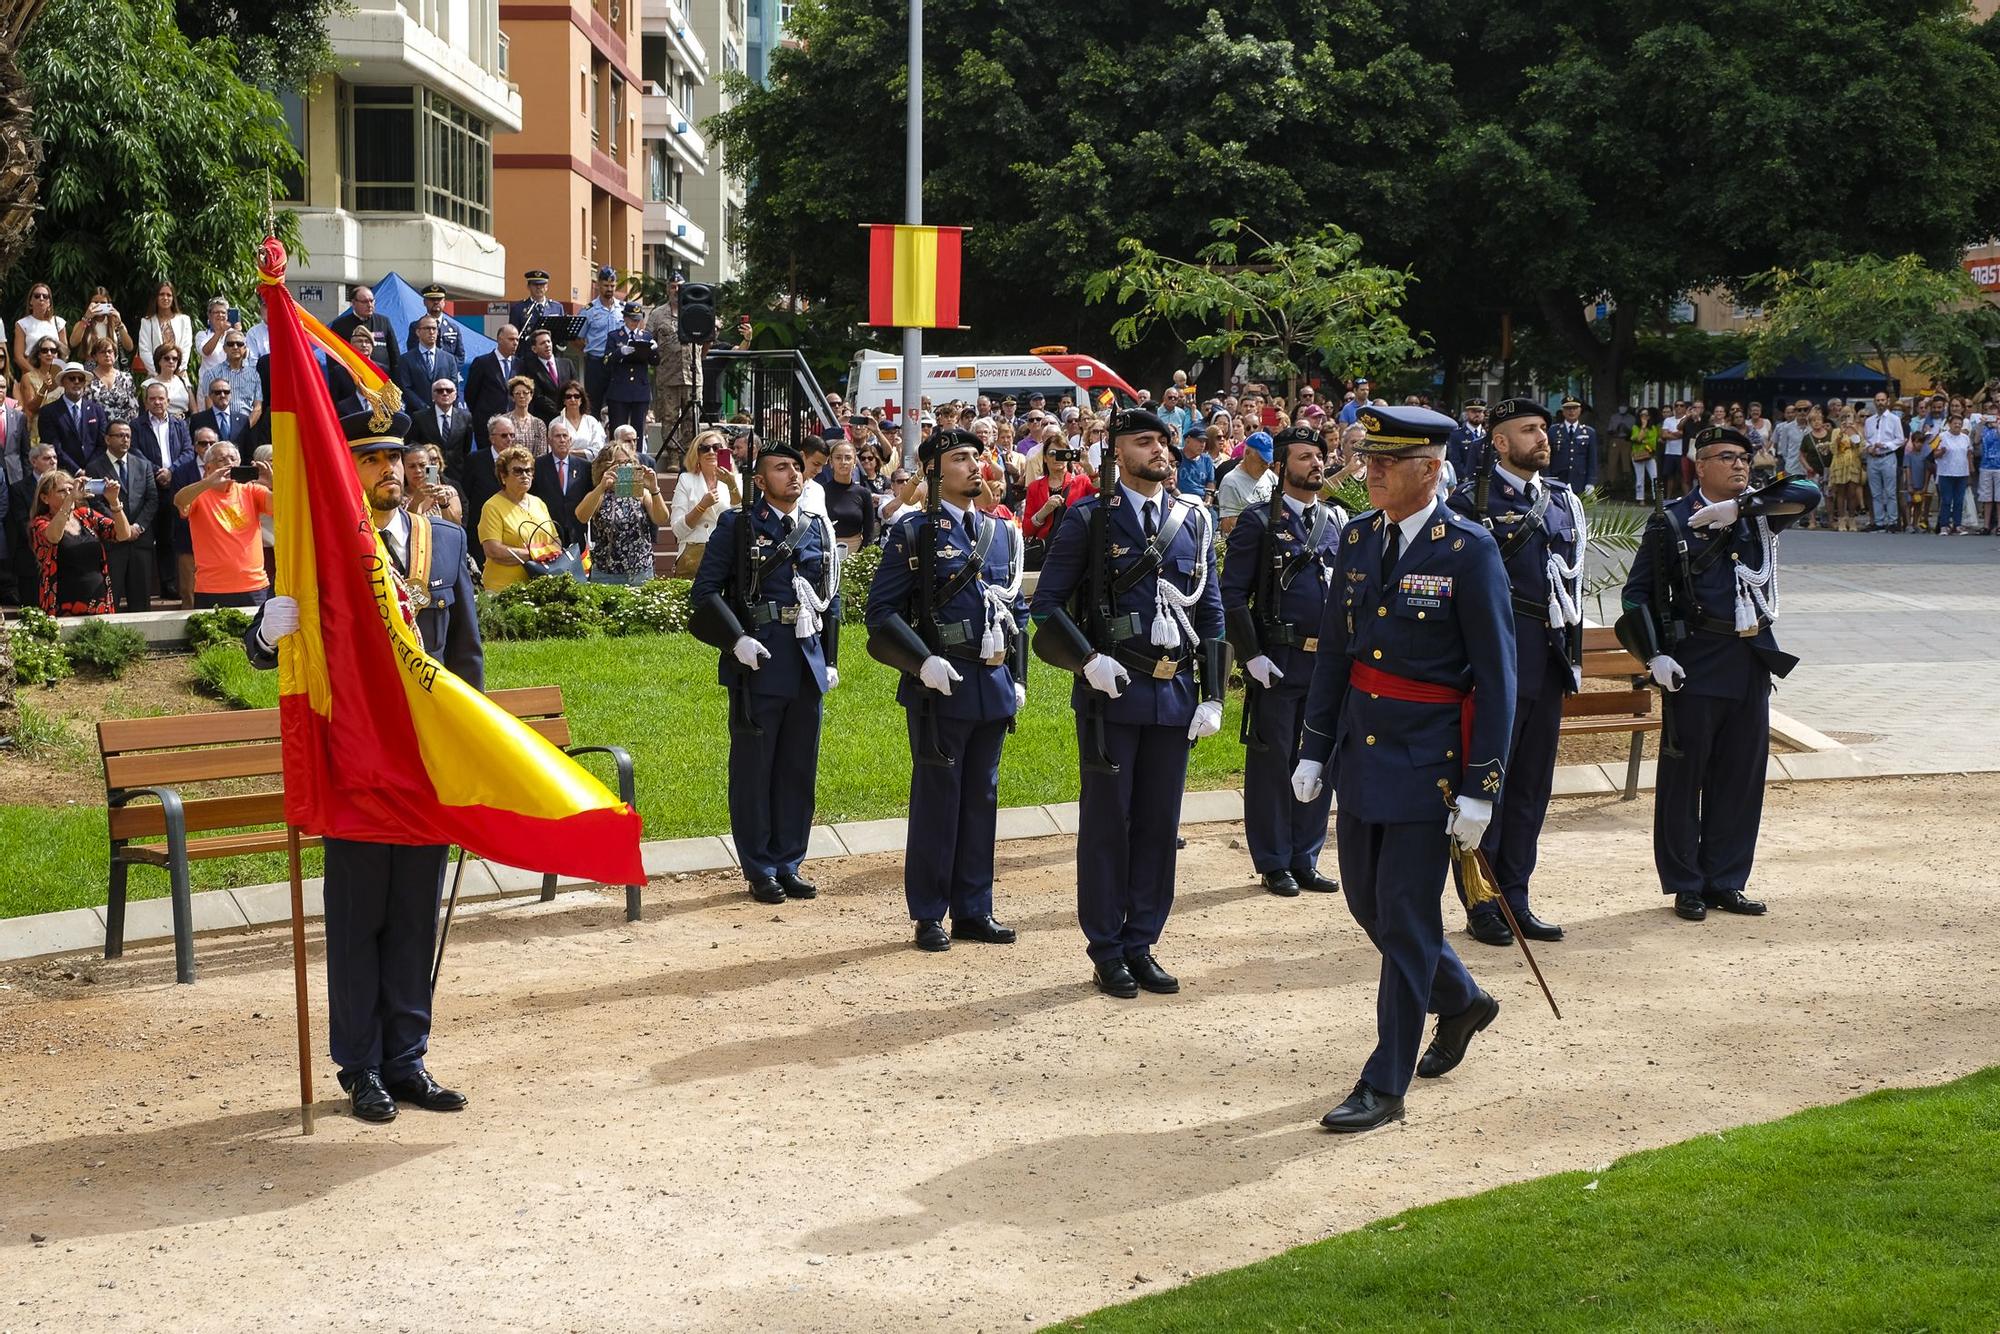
[[396, 550], [1390, 551], [429, 362], [972, 526], [1529, 492], [1306, 517], [785, 524], [123, 480], [1152, 529]]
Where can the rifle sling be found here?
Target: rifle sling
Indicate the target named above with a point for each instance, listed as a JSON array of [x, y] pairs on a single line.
[[966, 573], [1149, 559], [780, 553]]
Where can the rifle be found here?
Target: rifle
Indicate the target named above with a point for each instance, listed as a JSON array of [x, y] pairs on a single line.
[[1100, 607], [932, 752], [740, 722], [1270, 588]]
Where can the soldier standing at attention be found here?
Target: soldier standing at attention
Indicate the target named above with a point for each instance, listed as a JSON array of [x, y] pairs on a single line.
[[1699, 604], [946, 611], [1539, 526], [1412, 703], [1466, 449], [629, 361], [1274, 593], [1128, 601], [1573, 450]]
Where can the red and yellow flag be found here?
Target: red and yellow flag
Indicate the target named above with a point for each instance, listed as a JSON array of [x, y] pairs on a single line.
[[913, 275], [381, 743]]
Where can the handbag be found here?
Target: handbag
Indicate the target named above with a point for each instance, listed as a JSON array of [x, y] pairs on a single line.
[[567, 560]]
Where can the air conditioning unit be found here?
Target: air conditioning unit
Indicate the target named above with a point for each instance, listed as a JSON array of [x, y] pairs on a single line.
[[680, 127]]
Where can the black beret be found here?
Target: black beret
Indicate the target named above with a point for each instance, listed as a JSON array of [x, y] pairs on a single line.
[[1133, 421], [1722, 435], [781, 449], [943, 442], [1509, 409], [1294, 435]]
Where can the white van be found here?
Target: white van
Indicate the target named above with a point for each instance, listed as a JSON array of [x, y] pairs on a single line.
[[875, 381]]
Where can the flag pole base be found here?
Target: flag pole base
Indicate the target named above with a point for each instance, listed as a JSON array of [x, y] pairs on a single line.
[[299, 1001]]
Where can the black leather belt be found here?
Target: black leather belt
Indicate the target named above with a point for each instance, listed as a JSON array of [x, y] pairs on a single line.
[[1281, 634], [766, 612], [1161, 667], [1533, 610], [1704, 624]]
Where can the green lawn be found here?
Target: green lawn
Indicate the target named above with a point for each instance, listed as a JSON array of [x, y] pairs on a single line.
[[657, 696], [1877, 1214]]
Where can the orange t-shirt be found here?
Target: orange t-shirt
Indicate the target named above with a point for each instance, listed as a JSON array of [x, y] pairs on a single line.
[[229, 538]]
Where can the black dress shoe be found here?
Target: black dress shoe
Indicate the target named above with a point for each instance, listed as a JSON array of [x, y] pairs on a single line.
[[767, 890], [796, 888], [1690, 906], [1489, 928], [1454, 1034], [1147, 972], [1310, 878], [931, 936], [1115, 979], [1280, 883], [984, 929], [1365, 1109], [1732, 900], [1534, 928], [371, 1101], [427, 1093]]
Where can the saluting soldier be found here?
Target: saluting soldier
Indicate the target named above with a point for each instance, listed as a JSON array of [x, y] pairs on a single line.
[[1128, 600], [1539, 526], [1465, 450], [1274, 591], [382, 898], [1573, 449], [767, 594], [629, 361], [1412, 704], [946, 611], [1699, 604]]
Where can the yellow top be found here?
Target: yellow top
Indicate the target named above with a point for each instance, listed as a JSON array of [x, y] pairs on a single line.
[[524, 525]]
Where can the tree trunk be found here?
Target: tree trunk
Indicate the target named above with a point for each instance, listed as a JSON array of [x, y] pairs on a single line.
[[1449, 393], [20, 150], [1605, 359]]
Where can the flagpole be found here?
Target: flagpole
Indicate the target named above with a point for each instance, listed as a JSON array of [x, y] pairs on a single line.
[[913, 211], [299, 981]]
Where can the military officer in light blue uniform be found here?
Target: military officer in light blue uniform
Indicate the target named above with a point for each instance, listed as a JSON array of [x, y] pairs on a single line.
[[1412, 705], [1274, 590], [946, 611]]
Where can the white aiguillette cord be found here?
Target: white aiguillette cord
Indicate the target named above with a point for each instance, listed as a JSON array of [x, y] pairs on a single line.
[[1171, 626], [1000, 601], [812, 607]]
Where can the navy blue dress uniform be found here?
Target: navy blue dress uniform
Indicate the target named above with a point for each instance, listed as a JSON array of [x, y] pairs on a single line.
[[1532, 521], [629, 358], [1419, 620], [537, 310], [1098, 596], [1573, 450], [1703, 598], [1465, 448], [1275, 583], [745, 586], [450, 340], [382, 899], [973, 561]]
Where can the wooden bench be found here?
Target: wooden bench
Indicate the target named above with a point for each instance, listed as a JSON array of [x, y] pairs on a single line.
[[148, 760], [1594, 712]]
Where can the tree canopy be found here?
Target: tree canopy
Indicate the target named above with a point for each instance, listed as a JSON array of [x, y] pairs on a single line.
[[1885, 306]]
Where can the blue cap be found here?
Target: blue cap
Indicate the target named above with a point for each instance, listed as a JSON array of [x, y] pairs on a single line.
[[1398, 430], [1259, 444]]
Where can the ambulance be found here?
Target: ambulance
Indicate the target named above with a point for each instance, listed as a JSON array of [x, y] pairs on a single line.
[[875, 381]]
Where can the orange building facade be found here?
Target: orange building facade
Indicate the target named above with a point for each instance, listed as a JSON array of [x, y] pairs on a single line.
[[567, 188]]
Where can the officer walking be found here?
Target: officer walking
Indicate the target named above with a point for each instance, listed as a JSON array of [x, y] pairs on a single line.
[[1573, 449], [1539, 526], [629, 360], [946, 611], [1699, 604], [767, 594], [382, 898], [1412, 702], [1465, 449], [1128, 600], [1274, 594]]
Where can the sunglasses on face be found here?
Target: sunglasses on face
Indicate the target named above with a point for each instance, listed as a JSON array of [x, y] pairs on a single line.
[[572, 398], [445, 390], [704, 449], [218, 393], [520, 472], [235, 342]]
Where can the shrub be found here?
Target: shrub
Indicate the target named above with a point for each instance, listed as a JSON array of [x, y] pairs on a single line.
[[38, 653], [550, 607], [105, 648], [659, 606], [857, 572], [224, 625], [44, 736], [224, 671]]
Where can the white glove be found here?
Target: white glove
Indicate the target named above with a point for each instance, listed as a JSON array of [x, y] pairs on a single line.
[[832, 677], [281, 617], [1020, 697], [1667, 672], [1106, 675], [1719, 515], [1468, 823], [1207, 720], [1306, 779], [937, 674], [748, 651], [1264, 670], [1590, 491]]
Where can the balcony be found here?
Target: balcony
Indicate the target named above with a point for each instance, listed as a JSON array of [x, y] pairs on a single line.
[[343, 247], [390, 42], [668, 17], [663, 120], [668, 224]]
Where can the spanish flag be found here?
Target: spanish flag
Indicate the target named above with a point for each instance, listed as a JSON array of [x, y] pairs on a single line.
[[381, 743], [913, 275]]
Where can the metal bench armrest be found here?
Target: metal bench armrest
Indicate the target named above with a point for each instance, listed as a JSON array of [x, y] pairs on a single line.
[[177, 876], [627, 793]]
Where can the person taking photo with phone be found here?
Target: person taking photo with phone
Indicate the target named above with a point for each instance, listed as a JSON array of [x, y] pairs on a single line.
[[224, 513]]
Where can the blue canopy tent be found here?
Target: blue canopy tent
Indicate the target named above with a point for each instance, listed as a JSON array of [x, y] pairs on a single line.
[[398, 302], [1800, 377]]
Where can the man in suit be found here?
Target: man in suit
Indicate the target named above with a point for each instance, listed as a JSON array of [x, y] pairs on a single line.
[[445, 424], [630, 359], [1698, 609], [131, 561], [527, 315], [424, 362], [449, 339], [486, 379], [163, 440], [1274, 593], [1129, 602], [551, 375], [382, 898], [963, 656], [1419, 634], [220, 416], [562, 480], [73, 424], [361, 312]]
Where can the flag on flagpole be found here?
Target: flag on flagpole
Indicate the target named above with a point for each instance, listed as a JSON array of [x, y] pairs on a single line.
[[381, 743], [913, 276]]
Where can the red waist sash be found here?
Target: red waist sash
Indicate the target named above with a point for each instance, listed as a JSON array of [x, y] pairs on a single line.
[[1378, 682]]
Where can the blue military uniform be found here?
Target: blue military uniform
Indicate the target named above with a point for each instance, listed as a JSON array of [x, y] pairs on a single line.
[[1436, 623], [775, 710], [449, 338], [1297, 565], [978, 630], [1467, 445], [530, 314], [629, 359], [1685, 598], [1573, 452]]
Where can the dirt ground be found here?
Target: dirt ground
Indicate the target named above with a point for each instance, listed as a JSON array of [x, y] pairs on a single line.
[[735, 1117], [70, 771]]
